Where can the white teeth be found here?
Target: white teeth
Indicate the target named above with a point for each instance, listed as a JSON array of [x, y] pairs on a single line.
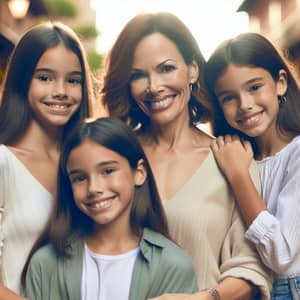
[[163, 103], [101, 204], [58, 106]]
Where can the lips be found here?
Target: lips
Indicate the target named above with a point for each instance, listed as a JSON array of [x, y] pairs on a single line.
[[101, 203], [250, 121], [160, 104], [58, 108]]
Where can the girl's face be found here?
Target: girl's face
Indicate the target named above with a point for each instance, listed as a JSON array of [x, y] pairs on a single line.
[[103, 183], [248, 97], [160, 79], [55, 91]]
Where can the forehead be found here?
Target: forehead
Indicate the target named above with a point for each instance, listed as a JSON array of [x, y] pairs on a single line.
[[235, 75], [59, 57], [156, 45], [89, 153]]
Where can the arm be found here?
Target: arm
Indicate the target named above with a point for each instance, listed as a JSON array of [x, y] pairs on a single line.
[[6, 294], [240, 288], [276, 234], [234, 158]]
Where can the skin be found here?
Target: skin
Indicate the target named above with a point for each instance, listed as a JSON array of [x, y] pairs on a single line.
[[56, 81], [160, 86], [103, 185], [54, 95], [248, 97]]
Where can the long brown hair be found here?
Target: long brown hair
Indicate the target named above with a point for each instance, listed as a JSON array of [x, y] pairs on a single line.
[[116, 95], [254, 50], [25, 56], [68, 221]]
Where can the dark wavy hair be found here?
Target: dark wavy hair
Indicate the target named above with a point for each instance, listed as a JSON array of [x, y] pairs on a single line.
[[20, 70], [254, 50], [116, 94]]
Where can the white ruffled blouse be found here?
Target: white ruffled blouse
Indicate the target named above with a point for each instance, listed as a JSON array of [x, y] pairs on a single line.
[[276, 232]]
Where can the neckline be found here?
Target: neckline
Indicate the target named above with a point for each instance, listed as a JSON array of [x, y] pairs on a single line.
[[279, 153], [12, 154], [191, 179]]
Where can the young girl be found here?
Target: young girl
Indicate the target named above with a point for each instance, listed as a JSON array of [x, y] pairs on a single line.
[[256, 95], [45, 93], [108, 234]]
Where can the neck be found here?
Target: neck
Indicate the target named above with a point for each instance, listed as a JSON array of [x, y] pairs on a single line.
[[39, 139], [112, 239], [272, 143]]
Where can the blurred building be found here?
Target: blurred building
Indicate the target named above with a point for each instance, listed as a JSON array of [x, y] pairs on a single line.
[[13, 22], [78, 14], [279, 20]]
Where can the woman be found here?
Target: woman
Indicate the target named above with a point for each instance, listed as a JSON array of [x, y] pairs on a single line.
[[153, 82]]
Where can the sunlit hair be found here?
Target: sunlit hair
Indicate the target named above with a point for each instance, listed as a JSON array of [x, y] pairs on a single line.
[[254, 50], [15, 114], [116, 94]]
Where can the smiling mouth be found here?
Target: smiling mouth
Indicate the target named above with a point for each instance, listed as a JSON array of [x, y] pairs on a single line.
[[158, 105], [61, 109], [101, 203], [248, 122]]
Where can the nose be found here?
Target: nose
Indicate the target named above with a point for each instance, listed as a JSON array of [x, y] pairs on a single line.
[[246, 103], [96, 186], [155, 84], [59, 90]]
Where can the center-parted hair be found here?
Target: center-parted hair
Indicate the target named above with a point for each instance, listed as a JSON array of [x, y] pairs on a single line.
[[20, 70], [254, 50], [68, 220]]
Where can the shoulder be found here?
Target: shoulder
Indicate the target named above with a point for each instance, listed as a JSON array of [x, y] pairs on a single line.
[[171, 253], [45, 254]]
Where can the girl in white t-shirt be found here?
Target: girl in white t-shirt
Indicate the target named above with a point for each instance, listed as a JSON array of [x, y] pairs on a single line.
[[108, 236], [256, 97]]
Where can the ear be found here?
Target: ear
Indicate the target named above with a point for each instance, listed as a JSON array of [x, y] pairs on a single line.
[[281, 84], [193, 72], [140, 173]]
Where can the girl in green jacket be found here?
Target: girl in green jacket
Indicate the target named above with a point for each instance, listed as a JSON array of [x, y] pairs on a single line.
[[108, 236]]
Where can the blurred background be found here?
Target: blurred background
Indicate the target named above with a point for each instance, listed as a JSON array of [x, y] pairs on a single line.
[[98, 22]]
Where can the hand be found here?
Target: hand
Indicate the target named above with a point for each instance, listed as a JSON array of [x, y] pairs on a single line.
[[233, 155], [197, 296]]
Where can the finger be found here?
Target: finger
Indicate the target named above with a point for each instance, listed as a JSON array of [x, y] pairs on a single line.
[[220, 141], [214, 145], [247, 146], [227, 138], [235, 138]]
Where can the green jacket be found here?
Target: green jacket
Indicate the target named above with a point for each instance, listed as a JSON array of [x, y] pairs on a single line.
[[161, 267]]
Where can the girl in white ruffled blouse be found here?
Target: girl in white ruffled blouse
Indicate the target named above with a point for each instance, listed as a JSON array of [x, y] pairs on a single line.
[[256, 97]]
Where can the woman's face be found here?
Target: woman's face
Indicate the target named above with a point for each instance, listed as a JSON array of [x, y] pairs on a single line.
[[160, 80]]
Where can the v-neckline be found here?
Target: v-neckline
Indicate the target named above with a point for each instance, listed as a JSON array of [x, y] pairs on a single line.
[[22, 165], [191, 179]]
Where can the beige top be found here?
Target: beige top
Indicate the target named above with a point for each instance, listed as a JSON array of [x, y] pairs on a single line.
[[204, 220]]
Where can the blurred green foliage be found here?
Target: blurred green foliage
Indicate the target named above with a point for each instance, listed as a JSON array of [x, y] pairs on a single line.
[[87, 30], [95, 60], [62, 8]]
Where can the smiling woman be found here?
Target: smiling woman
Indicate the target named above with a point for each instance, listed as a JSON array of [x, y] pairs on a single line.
[[154, 82]]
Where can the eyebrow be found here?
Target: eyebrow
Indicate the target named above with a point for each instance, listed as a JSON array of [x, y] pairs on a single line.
[[159, 65], [53, 71], [101, 164], [252, 80]]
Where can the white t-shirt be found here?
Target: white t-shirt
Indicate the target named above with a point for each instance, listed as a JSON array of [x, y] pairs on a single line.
[[107, 277], [276, 232]]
